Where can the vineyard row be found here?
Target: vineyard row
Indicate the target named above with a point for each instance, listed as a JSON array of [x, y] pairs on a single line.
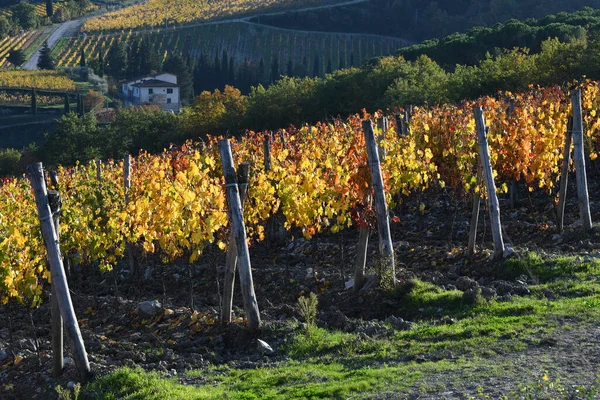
[[317, 180]]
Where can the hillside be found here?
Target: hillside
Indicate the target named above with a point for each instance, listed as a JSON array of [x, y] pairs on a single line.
[[418, 20], [243, 42], [155, 13]]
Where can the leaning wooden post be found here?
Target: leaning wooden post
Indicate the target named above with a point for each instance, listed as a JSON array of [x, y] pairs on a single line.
[[383, 223], [564, 177], [56, 325], [239, 231], [231, 263], [361, 254], [59, 281], [267, 151], [580, 175], [127, 176], [486, 164]]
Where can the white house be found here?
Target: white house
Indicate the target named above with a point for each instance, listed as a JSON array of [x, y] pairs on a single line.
[[161, 90]]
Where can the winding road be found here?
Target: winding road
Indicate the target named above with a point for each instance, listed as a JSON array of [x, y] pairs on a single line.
[[66, 29]]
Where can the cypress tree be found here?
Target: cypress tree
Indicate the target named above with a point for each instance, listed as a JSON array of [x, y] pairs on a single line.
[[274, 70], [290, 68], [316, 67], [217, 72], [67, 104], [224, 69], [260, 72], [101, 61], [329, 67], [352, 59], [175, 65], [33, 101], [82, 59], [49, 8], [231, 72], [45, 61]]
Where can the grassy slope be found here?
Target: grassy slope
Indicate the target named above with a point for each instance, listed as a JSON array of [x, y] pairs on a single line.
[[479, 345]]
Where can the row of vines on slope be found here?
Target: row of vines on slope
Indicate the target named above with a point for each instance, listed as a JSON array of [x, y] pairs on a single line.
[[318, 176], [154, 13]]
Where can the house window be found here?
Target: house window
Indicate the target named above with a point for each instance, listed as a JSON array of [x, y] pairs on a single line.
[[169, 91], [150, 91], [168, 101]]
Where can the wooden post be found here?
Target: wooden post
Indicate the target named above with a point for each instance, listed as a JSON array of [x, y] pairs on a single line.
[[231, 263], [486, 164], [127, 176], [56, 324], [383, 223], [282, 137], [59, 281], [475, 213], [239, 231], [267, 152], [361, 254], [382, 126], [99, 170], [564, 177], [580, 175]]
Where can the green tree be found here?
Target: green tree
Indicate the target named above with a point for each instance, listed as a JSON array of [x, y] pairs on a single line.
[[116, 60], [67, 107], [4, 27], [16, 57], [82, 59], [33, 101], [23, 14], [46, 61], [75, 139], [275, 75], [9, 162]]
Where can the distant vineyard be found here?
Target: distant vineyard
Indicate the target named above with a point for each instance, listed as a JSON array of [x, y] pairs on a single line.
[[50, 80], [243, 40], [40, 9], [153, 13], [11, 97], [21, 41]]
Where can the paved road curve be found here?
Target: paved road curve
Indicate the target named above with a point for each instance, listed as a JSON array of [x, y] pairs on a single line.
[[66, 29]]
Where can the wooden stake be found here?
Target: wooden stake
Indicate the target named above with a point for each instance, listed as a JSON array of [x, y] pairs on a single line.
[[382, 126], [475, 214], [486, 164], [239, 231], [474, 223], [282, 138], [564, 177], [386, 248], [578, 155], [231, 263], [98, 170], [267, 152], [59, 281], [127, 176], [56, 324]]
